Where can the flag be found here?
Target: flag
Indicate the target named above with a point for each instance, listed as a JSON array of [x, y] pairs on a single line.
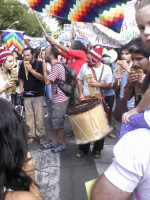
[[13, 39], [109, 13]]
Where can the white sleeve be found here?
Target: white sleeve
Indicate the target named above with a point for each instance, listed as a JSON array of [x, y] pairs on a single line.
[[81, 73], [130, 161], [108, 74]]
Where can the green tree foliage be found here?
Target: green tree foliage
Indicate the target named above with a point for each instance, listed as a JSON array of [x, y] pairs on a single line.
[[13, 10]]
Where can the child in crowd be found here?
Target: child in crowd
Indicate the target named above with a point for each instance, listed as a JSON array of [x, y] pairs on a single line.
[[139, 116]]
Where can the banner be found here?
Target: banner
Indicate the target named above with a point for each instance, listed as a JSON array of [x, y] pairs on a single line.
[[105, 12], [12, 39], [98, 34]]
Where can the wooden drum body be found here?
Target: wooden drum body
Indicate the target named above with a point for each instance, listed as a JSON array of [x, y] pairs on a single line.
[[88, 120]]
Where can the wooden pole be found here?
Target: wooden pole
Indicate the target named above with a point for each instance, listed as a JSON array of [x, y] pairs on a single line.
[[40, 23]]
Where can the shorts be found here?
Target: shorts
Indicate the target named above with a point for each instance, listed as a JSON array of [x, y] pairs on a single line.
[[57, 116]]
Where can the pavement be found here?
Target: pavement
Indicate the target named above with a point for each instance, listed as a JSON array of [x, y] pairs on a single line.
[[62, 176]]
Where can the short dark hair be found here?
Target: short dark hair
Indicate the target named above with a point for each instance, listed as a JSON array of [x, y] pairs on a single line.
[[137, 46], [54, 52], [13, 150], [29, 48]]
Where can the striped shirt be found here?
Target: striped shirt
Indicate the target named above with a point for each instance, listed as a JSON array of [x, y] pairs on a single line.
[[57, 72]]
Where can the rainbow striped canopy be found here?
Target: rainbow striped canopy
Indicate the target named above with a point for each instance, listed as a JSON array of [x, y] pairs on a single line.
[[109, 13], [13, 39]]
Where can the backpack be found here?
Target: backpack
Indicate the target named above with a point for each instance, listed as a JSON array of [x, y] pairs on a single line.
[[69, 85]]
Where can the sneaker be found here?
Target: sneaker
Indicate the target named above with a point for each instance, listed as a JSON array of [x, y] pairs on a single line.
[[49, 145], [59, 148], [46, 115]]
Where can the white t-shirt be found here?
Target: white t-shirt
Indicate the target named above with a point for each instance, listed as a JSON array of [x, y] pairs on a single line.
[[147, 116], [105, 79], [131, 163]]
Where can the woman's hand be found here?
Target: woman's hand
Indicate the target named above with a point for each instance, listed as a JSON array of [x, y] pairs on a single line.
[[9, 84], [127, 115]]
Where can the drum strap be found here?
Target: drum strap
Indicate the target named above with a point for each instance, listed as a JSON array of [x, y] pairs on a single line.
[[94, 75]]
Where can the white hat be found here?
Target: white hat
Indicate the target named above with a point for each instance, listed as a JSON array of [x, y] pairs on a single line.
[[113, 54]]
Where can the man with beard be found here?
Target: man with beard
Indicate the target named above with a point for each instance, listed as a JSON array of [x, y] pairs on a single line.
[[59, 101], [32, 88]]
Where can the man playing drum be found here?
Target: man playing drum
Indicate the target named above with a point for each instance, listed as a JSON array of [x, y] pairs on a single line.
[[89, 88]]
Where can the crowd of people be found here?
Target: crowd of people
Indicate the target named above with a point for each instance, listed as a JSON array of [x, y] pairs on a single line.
[[28, 82]]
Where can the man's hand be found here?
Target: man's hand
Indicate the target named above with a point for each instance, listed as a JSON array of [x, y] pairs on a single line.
[[118, 76], [52, 42], [29, 67], [93, 83], [141, 79], [125, 66], [132, 78], [82, 97]]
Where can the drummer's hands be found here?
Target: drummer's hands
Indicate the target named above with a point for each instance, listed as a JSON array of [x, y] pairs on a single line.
[[127, 115], [93, 83], [82, 97]]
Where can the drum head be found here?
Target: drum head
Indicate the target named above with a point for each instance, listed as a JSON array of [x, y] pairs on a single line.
[[83, 106]]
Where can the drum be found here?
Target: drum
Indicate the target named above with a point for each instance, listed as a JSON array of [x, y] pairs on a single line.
[[89, 121]]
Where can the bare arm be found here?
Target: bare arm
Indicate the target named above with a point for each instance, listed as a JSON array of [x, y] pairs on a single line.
[[80, 88], [34, 73], [37, 75], [58, 46], [47, 81], [21, 82], [8, 84], [128, 92], [105, 190], [99, 84]]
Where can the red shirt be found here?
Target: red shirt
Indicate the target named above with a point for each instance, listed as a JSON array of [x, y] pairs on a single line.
[[76, 58]]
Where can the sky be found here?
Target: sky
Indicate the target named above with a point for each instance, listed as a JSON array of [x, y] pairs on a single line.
[[50, 22]]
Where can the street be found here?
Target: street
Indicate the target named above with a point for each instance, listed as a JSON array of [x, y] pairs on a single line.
[[62, 176]]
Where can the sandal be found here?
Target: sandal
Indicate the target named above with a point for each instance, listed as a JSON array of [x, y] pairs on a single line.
[[97, 154], [68, 135], [49, 145], [111, 135], [30, 140], [80, 154], [41, 141]]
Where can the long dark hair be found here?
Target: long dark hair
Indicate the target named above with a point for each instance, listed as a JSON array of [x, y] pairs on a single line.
[[13, 150], [78, 45]]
